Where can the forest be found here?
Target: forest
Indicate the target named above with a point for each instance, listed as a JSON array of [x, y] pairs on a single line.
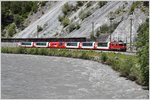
[[14, 14]]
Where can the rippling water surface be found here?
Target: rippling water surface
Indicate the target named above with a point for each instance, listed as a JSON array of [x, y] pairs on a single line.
[[44, 77]]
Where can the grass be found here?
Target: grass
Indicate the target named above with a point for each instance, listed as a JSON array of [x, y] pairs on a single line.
[[127, 65]]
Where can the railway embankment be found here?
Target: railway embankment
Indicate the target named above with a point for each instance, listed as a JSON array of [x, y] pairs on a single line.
[[127, 65]]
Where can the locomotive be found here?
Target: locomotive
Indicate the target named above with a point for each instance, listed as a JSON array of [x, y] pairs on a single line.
[[109, 46]]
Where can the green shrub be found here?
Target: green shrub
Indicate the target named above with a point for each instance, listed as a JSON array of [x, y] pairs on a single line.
[[89, 3], [77, 25], [11, 29], [43, 3], [134, 5], [114, 63], [136, 73], [98, 33], [84, 14], [80, 3], [20, 50], [104, 57], [143, 50], [66, 9], [92, 37], [18, 20], [101, 3], [73, 26], [65, 22], [42, 51], [84, 55], [39, 28], [34, 8], [104, 28], [60, 18], [125, 67]]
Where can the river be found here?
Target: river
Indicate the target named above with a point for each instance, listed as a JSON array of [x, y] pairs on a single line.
[[48, 77]]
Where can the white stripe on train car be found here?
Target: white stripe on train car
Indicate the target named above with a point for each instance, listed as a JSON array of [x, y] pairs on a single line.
[[88, 47], [42, 45], [108, 44], [72, 46], [26, 45]]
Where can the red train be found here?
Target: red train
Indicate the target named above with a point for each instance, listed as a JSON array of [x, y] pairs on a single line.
[[111, 46]]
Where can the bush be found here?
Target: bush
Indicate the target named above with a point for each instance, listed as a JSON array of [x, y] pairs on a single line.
[[114, 63], [73, 26], [43, 3], [20, 50], [143, 50], [61, 18], [101, 3], [18, 20], [89, 4], [65, 22], [43, 51], [84, 14], [34, 8], [104, 57], [66, 9], [134, 5], [77, 25], [84, 55], [16, 12], [92, 37], [39, 28], [80, 3], [104, 28], [125, 67], [11, 29], [98, 33]]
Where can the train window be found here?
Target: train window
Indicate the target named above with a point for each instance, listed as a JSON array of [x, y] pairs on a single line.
[[72, 44], [41, 43], [87, 44], [26, 43], [102, 44]]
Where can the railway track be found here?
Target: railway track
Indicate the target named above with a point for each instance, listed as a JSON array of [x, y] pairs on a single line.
[[14, 44]]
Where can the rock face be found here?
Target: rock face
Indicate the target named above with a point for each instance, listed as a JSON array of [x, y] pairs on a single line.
[[49, 20], [53, 28], [122, 32]]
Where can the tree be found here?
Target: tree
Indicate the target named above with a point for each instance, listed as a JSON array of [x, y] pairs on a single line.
[[80, 3], [101, 3], [66, 9], [16, 12], [143, 50], [39, 28], [66, 22], [92, 37], [11, 29], [18, 20]]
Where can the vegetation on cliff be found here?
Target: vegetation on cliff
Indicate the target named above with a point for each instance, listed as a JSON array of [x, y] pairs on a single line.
[[143, 51], [14, 14]]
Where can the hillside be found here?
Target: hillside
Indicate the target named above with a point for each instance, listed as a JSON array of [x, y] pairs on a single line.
[[75, 18]]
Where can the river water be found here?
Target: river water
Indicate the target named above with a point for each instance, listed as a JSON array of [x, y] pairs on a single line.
[[48, 77]]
